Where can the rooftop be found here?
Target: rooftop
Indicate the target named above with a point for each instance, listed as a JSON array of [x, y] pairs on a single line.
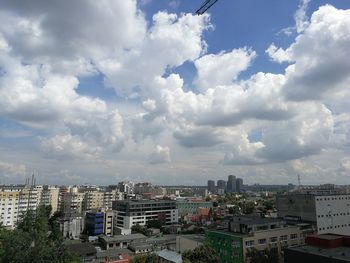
[[170, 256], [342, 253], [120, 238]]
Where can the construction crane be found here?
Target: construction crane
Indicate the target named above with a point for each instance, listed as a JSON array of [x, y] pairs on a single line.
[[205, 6]]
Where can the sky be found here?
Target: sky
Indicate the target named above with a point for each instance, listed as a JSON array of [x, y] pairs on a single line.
[[97, 92]]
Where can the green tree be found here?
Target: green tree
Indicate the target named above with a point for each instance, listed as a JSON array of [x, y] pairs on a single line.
[[201, 254], [146, 258], [139, 229], [36, 239]]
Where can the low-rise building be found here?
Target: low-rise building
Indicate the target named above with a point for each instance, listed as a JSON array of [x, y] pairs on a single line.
[[189, 206], [121, 241], [323, 248], [253, 233], [188, 242]]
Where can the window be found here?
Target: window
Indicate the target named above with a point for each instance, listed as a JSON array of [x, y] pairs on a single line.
[[293, 236], [249, 243], [283, 238], [262, 241], [273, 239]]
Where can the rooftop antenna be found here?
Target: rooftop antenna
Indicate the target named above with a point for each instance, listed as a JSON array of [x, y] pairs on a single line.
[[205, 6]]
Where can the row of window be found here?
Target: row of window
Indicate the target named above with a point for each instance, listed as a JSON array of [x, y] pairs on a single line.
[[333, 198], [262, 241], [331, 227], [337, 214]]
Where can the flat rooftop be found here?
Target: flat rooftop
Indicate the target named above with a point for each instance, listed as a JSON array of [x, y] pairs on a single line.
[[121, 238], [341, 253]]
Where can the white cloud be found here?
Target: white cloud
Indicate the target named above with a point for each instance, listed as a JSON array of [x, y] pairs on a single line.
[[160, 155], [9, 170], [221, 69], [66, 146]]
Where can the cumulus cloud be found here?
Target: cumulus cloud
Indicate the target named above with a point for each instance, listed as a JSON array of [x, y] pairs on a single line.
[[64, 146], [298, 112], [221, 69], [9, 170], [160, 155], [321, 68]]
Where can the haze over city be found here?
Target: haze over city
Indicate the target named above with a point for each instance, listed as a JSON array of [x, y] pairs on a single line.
[[99, 92]]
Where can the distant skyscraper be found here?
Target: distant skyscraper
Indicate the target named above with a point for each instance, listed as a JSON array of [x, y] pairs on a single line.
[[221, 187], [211, 186], [221, 184], [239, 185], [231, 184]]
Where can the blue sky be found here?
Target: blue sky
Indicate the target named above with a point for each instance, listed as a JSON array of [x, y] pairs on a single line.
[[148, 91]]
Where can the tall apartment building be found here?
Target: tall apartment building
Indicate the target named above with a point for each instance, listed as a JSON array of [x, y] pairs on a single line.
[[231, 184], [109, 196], [239, 185], [49, 196], [221, 185], [15, 202], [93, 200], [329, 213], [131, 212], [211, 186], [247, 233]]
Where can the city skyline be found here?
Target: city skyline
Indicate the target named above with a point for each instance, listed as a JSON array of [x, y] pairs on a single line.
[[148, 91]]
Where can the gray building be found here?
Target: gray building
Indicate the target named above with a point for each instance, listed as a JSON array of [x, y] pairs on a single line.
[[231, 184], [239, 185], [211, 186], [221, 186]]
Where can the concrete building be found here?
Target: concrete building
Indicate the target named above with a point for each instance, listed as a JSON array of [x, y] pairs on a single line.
[[231, 184], [188, 242], [49, 196], [93, 200], [121, 241], [108, 223], [246, 233], [168, 256], [239, 185], [322, 249], [211, 186], [131, 212], [109, 196], [15, 201], [329, 213], [221, 187], [71, 225]]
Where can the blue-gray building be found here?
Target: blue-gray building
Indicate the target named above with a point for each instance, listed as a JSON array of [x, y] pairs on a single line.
[[94, 223]]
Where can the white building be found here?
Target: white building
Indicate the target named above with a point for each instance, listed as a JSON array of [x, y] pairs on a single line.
[[131, 212], [329, 213]]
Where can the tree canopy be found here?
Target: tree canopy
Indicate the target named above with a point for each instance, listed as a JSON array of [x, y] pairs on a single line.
[[37, 238]]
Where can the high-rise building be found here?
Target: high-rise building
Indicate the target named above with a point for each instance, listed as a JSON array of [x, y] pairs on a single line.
[[231, 184], [222, 184], [239, 185], [211, 186]]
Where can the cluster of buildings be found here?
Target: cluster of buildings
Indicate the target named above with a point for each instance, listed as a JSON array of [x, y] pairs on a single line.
[[312, 222], [232, 185]]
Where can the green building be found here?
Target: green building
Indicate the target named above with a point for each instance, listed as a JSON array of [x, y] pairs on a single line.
[[190, 207], [228, 246]]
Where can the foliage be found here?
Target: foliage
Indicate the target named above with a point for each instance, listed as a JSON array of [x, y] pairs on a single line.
[[139, 229], [154, 224], [145, 258], [201, 254], [36, 239]]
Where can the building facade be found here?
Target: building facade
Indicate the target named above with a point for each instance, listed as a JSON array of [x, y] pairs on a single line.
[[132, 212], [329, 213]]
